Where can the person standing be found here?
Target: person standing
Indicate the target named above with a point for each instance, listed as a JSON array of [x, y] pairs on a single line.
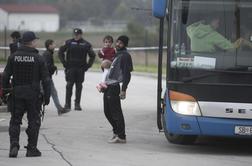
[[48, 56], [205, 37], [120, 72], [13, 48], [108, 51], [107, 54], [29, 71], [15, 41], [76, 64]]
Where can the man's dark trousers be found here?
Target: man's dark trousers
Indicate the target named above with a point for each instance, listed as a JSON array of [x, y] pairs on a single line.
[[113, 110], [34, 120], [74, 76]]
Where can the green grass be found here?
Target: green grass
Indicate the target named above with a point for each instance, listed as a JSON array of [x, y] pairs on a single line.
[[138, 57], [137, 68], [96, 67], [96, 40]]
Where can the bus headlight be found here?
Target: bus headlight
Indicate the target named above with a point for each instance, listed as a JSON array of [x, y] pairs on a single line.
[[186, 108], [184, 104]]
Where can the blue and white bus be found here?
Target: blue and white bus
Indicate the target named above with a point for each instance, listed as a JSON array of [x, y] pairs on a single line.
[[209, 68]]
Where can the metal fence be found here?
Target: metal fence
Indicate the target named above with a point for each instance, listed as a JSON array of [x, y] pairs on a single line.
[[97, 49], [144, 56]]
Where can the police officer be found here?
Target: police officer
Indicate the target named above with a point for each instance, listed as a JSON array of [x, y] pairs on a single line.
[[16, 41], [76, 64], [28, 70]]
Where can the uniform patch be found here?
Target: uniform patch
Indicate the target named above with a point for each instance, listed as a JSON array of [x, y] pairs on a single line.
[[24, 59], [74, 43]]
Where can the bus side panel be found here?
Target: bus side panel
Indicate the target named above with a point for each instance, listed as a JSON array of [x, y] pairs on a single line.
[[180, 124], [221, 126]]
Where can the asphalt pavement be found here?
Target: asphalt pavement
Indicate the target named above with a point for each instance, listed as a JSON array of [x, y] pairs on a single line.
[[80, 138]]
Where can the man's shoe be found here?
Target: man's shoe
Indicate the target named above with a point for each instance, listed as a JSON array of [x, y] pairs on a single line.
[[113, 137], [77, 107], [117, 140], [13, 151], [32, 152], [67, 107], [64, 111], [59, 111]]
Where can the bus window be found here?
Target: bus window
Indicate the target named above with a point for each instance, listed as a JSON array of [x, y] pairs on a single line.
[[244, 30], [212, 34]]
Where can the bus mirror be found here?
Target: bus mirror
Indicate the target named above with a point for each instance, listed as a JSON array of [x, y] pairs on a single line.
[[159, 8]]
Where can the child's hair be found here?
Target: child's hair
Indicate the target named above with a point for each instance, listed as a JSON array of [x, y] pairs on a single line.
[[106, 64], [108, 37], [48, 43]]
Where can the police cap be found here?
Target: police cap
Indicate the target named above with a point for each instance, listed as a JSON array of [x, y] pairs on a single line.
[[28, 37], [77, 31]]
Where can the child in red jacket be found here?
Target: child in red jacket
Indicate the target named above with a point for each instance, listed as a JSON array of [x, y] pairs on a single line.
[[107, 54]]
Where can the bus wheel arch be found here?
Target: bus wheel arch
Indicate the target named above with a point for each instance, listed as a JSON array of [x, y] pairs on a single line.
[[174, 138]]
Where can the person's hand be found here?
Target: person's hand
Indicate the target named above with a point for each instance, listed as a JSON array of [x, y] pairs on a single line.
[[64, 65], [86, 67], [6, 91], [238, 42], [6, 94], [101, 53], [55, 70], [47, 101], [122, 95], [247, 43]]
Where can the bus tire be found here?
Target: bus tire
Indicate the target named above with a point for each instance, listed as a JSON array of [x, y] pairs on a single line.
[[178, 139]]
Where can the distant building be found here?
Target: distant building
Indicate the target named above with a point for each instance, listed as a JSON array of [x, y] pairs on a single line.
[[103, 26], [29, 17]]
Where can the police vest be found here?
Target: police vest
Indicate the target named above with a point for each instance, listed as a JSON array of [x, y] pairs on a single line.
[[77, 53], [23, 73]]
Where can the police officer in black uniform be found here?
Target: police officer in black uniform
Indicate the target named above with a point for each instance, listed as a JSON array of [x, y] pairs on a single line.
[[76, 64], [29, 71]]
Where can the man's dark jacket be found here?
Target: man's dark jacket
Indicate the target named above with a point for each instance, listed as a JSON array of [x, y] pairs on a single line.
[[120, 70], [48, 56], [14, 46]]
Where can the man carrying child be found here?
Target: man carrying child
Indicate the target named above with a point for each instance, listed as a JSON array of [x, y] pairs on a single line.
[[119, 72]]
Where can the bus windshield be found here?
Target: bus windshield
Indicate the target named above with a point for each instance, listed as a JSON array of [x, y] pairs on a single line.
[[212, 35]]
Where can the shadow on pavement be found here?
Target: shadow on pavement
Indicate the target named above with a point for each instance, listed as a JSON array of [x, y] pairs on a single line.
[[217, 145]]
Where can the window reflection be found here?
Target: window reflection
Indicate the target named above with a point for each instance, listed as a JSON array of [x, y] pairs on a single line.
[[212, 34]]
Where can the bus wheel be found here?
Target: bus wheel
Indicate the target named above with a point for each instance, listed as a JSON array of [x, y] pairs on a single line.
[[178, 139]]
